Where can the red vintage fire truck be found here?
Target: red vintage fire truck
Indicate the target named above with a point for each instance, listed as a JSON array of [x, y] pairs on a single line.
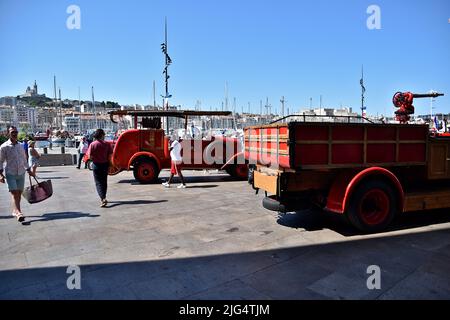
[[145, 149], [367, 172]]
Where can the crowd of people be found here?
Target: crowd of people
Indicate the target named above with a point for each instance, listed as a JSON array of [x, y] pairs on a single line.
[[18, 158]]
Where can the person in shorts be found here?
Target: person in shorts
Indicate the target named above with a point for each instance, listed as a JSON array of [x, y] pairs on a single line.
[[176, 163], [13, 154], [33, 157]]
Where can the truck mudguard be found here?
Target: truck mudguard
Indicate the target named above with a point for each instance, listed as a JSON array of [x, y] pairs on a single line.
[[344, 185]]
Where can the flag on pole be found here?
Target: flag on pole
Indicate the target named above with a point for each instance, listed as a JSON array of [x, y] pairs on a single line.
[[435, 124]]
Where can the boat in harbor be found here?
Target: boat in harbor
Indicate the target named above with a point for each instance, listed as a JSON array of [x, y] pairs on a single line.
[[40, 136], [58, 140]]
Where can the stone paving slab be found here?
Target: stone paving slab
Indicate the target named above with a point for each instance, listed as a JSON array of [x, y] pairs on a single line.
[[212, 240]]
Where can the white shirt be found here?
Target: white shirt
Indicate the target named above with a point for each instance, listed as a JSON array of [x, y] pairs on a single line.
[[175, 154], [83, 147], [15, 157]]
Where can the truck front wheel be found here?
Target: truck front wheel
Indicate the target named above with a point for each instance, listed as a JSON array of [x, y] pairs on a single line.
[[372, 206], [145, 171], [90, 165]]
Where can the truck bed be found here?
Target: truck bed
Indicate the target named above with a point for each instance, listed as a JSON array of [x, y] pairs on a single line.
[[318, 145]]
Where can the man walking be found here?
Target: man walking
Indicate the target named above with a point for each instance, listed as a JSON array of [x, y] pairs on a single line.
[[177, 160], [82, 149], [100, 153], [13, 154]]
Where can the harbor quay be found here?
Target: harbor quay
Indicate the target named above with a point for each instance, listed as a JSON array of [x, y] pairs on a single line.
[[212, 240]]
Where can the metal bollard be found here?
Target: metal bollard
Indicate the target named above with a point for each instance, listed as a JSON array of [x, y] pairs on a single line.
[[63, 150], [45, 150]]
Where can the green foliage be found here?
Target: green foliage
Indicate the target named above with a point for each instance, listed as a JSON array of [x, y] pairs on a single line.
[[22, 135], [3, 138], [112, 105]]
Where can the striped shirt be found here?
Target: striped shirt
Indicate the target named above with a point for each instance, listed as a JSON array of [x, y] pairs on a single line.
[[15, 158]]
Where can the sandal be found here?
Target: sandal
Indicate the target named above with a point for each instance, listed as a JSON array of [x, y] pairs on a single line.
[[20, 217]]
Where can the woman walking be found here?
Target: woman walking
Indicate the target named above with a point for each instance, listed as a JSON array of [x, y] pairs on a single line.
[[33, 157], [100, 153]]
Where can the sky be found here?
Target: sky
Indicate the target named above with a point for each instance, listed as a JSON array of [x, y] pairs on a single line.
[[256, 48]]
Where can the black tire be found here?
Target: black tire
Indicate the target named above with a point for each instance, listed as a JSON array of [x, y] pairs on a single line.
[[145, 171], [372, 206], [90, 165], [272, 204], [251, 175]]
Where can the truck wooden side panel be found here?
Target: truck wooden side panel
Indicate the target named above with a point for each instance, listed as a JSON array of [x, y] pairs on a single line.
[[439, 159], [337, 145], [313, 145], [427, 200], [267, 145], [266, 182]]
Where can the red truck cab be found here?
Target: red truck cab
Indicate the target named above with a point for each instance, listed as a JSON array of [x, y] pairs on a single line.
[[146, 150]]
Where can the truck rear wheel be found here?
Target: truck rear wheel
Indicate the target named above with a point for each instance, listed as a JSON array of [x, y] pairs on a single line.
[[372, 206], [145, 171]]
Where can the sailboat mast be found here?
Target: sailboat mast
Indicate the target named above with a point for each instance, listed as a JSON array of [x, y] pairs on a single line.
[[93, 105], [167, 65], [54, 89], [60, 110], [154, 94]]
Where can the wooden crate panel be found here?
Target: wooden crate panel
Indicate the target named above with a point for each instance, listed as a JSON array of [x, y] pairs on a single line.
[[284, 162], [310, 133], [347, 133], [347, 154], [413, 133], [266, 182], [412, 152], [380, 153], [311, 154], [427, 201], [381, 134]]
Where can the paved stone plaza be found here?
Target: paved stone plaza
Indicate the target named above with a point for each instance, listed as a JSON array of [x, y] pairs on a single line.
[[212, 240]]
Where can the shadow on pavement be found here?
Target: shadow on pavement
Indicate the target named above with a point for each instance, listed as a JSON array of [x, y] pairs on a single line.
[[130, 181], [313, 220], [413, 266], [188, 179], [202, 187], [118, 203], [58, 216], [51, 178]]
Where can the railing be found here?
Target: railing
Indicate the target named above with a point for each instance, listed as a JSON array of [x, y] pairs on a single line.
[[304, 116]]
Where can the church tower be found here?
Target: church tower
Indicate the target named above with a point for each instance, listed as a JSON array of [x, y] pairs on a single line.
[[35, 88]]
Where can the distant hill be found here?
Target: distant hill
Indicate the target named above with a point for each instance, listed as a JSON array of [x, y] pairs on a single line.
[[35, 101]]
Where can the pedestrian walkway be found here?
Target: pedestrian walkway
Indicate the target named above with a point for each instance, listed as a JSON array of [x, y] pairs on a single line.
[[212, 240]]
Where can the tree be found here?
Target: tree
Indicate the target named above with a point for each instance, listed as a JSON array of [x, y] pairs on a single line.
[[3, 138]]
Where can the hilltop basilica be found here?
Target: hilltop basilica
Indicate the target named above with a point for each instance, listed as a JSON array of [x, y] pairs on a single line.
[[33, 93]]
